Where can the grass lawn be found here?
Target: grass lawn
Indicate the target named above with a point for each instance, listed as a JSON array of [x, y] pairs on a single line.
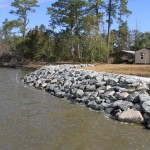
[[129, 69]]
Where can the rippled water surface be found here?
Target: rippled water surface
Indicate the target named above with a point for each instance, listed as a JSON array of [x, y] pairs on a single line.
[[31, 119]]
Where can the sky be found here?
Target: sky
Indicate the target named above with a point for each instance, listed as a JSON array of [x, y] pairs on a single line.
[[140, 14]]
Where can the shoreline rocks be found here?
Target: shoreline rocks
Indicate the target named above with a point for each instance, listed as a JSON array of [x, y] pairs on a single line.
[[122, 97]]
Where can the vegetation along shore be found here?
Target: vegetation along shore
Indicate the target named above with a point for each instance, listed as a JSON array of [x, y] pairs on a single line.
[[79, 31]]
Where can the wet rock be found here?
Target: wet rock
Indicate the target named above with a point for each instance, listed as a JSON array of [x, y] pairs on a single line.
[[31, 84], [59, 94], [51, 87], [79, 100], [131, 115], [109, 110], [44, 85], [148, 123], [37, 85], [146, 116], [93, 105]]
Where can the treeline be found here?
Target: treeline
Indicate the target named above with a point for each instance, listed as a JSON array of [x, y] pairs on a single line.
[[76, 31]]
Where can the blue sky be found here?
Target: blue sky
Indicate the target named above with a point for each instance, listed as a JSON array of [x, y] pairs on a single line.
[[139, 8]]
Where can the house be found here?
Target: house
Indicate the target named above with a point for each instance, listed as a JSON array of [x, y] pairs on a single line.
[[142, 56], [123, 56], [128, 56]]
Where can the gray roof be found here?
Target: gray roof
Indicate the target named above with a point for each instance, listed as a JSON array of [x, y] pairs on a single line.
[[130, 52]]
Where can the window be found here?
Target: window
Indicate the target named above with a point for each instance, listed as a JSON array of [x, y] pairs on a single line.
[[142, 55]]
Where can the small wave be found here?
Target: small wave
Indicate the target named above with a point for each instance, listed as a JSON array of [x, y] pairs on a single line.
[[17, 78]]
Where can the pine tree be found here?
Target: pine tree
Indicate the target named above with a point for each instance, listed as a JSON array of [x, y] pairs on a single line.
[[95, 10], [123, 28], [112, 8], [21, 9], [68, 14]]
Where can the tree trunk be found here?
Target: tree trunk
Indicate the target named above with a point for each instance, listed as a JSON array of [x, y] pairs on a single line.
[[109, 25], [97, 19]]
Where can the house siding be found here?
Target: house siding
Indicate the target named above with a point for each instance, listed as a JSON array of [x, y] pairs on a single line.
[[146, 59]]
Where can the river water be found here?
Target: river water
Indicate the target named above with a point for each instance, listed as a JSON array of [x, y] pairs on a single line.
[[32, 119]]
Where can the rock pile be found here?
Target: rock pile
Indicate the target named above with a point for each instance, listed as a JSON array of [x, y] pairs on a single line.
[[123, 98]]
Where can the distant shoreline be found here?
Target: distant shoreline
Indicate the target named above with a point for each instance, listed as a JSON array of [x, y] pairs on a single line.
[[124, 69]]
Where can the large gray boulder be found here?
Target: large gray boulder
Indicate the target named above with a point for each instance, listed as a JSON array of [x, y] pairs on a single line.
[[144, 97], [99, 78], [79, 93], [130, 80], [131, 115], [122, 95], [44, 85], [112, 82], [53, 81], [148, 123], [116, 103], [133, 96], [108, 93], [90, 88], [142, 87], [123, 105], [146, 106], [59, 94], [92, 81], [93, 105]]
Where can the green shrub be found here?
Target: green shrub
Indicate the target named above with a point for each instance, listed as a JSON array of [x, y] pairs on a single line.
[[52, 58], [117, 60]]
